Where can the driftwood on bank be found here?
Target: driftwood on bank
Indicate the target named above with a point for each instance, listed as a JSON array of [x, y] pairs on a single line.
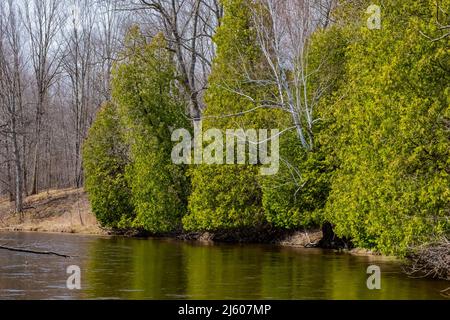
[[432, 260], [34, 251]]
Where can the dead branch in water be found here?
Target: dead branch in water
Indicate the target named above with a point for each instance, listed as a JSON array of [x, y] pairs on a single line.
[[34, 251], [432, 260], [446, 292]]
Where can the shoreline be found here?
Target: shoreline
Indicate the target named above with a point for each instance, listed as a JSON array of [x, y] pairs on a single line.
[[202, 238], [46, 227], [68, 211], [56, 211]]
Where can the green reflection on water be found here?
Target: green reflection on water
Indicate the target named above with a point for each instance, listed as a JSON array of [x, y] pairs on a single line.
[[159, 269]]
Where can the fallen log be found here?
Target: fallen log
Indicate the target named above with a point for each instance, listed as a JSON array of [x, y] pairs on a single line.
[[34, 251]]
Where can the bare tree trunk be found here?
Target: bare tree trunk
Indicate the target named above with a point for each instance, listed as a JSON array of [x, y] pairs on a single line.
[[12, 98], [24, 164], [8, 168], [48, 163], [17, 167], [34, 184]]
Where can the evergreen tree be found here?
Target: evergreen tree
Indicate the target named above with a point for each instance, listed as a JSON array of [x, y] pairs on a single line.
[[391, 189], [150, 108], [105, 159], [228, 196]]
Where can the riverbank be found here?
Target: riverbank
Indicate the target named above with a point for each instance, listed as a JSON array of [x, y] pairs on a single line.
[[69, 211], [61, 211]]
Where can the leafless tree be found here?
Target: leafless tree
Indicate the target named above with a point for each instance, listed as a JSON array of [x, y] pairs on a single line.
[[284, 29], [189, 26], [110, 26], [78, 63], [11, 93], [55, 73], [43, 22]]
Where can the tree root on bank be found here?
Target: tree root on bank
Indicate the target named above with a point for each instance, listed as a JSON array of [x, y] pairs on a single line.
[[34, 251]]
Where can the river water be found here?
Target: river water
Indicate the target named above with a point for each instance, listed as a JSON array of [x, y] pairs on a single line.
[[116, 267]]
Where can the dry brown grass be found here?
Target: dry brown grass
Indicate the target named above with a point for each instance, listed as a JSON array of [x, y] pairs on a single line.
[[64, 210]]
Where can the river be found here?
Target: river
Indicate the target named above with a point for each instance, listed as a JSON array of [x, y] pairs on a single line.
[[123, 268]]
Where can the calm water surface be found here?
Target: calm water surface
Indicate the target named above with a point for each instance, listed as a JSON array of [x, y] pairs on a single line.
[[167, 269]]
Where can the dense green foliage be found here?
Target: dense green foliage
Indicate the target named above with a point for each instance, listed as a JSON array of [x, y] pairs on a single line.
[[296, 196], [147, 184], [229, 196], [105, 159], [149, 108], [391, 188], [379, 170]]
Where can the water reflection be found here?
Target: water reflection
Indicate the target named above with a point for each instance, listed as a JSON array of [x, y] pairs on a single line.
[[165, 269]]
